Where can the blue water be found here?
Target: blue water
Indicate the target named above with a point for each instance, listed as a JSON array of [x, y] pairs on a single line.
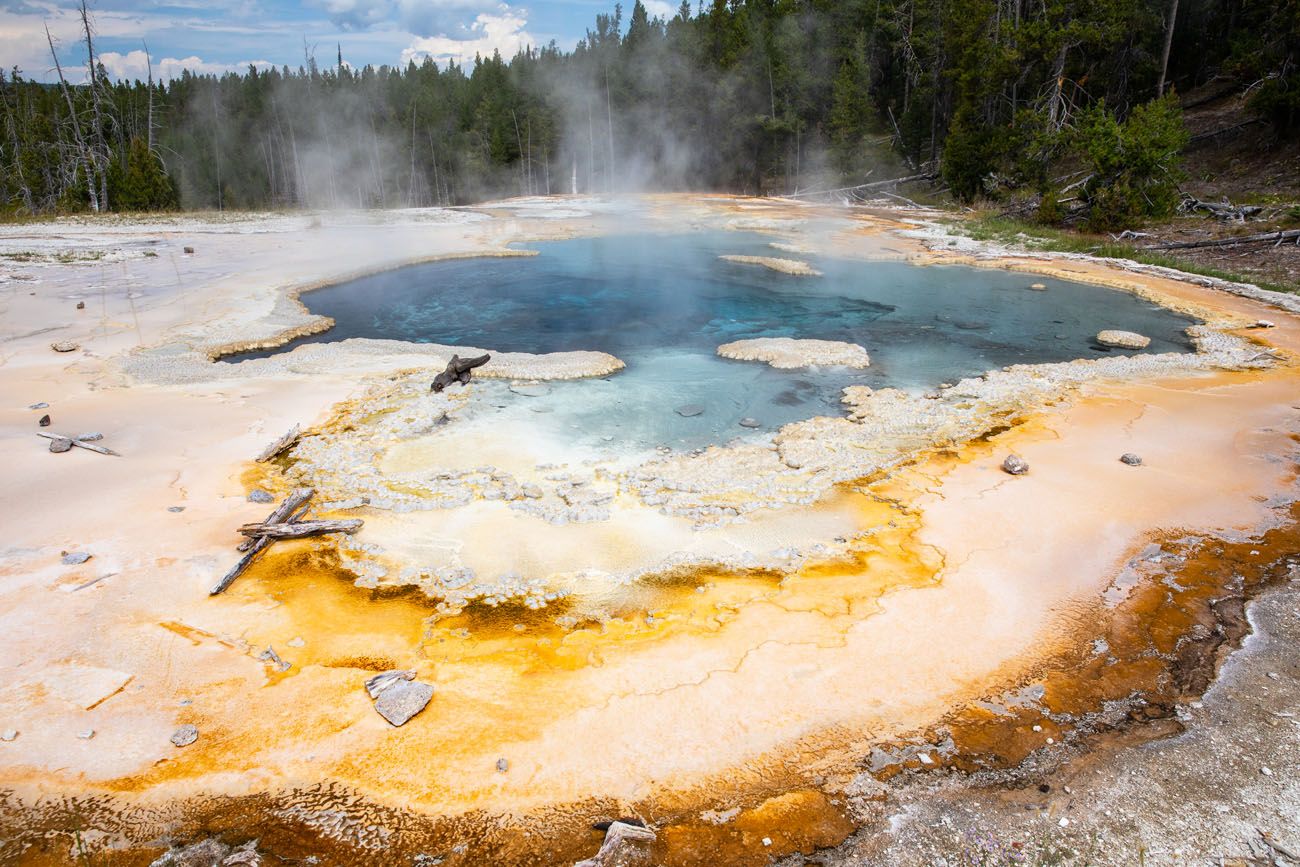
[[663, 303]]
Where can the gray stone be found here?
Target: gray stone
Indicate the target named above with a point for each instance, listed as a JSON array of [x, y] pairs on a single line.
[[403, 700], [60, 445], [257, 495], [75, 558], [8, 735], [750, 422], [176, 508], [1131, 459], [41, 405], [185, 735], [44, 420], [1015, 465], [86, 735], [89, 437], [503, 765], [65, 346], [690, 410]]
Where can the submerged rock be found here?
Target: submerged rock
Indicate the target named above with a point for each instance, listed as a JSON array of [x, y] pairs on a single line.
[[530, 389], [690, 410], [1038, 287], [1131, 459], [750, 422], [1123, 340], [1015, 465]]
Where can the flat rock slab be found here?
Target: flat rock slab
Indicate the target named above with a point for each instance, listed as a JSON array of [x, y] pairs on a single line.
[[690, 410], [788, 353], [1123, 340], [402, 700]]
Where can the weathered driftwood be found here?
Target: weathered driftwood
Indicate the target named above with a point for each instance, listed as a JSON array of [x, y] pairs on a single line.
[[1261, 237], [280, 446], [290, 506], [1224, 210], [458, 370], [301, 529], [293, 508], [79, 444]]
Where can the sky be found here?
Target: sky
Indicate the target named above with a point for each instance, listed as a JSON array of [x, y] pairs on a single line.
[[218, 35]]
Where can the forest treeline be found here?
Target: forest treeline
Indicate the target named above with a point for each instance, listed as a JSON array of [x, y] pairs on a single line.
[[1062, 98]]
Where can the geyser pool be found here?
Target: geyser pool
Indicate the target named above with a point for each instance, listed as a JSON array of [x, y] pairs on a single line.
[[664, 302]]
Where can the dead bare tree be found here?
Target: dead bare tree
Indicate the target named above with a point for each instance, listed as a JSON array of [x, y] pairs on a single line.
[[76, 127]]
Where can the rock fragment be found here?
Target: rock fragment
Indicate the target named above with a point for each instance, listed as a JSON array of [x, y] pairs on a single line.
[[257, 495], [750, 422], [81, 305], [1131, 459], [41, 405], [75, 558], [1123, 339], [44, 420], [403, 700], [398, 696], [89, 437], [86, 734], [690, 410], [59, 445], [1015, 465], [8, 735], [185, 735], [622, 847], [1038, 287], [176, 508], [65, 346], [503, 765]]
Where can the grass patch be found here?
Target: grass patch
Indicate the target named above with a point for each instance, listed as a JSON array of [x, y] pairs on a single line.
[[1031, 236]]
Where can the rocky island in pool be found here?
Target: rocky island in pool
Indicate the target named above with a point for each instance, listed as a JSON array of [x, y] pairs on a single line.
[[764, 525]]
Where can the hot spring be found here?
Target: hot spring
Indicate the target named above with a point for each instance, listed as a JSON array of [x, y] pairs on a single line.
[[663, 303]]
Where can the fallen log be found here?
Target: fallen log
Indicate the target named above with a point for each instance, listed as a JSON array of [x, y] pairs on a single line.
[[291, 505], [298, 497], [458, 370], [874, 185], [280, 446], [300, 529], [1279, 236], [79, 444], [296, 516]]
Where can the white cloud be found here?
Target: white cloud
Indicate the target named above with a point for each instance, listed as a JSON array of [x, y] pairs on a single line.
[[503, 32], [660, 9], [425, 18], [134, 65]]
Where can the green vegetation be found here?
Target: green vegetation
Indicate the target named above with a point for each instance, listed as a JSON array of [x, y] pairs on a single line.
[[1060, 100], [1011, 232]]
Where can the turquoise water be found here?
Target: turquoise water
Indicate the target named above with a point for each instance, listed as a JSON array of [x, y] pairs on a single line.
[[663, 303]]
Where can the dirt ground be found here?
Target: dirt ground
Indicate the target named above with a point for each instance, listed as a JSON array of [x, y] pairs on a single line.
[[1234, 157]]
